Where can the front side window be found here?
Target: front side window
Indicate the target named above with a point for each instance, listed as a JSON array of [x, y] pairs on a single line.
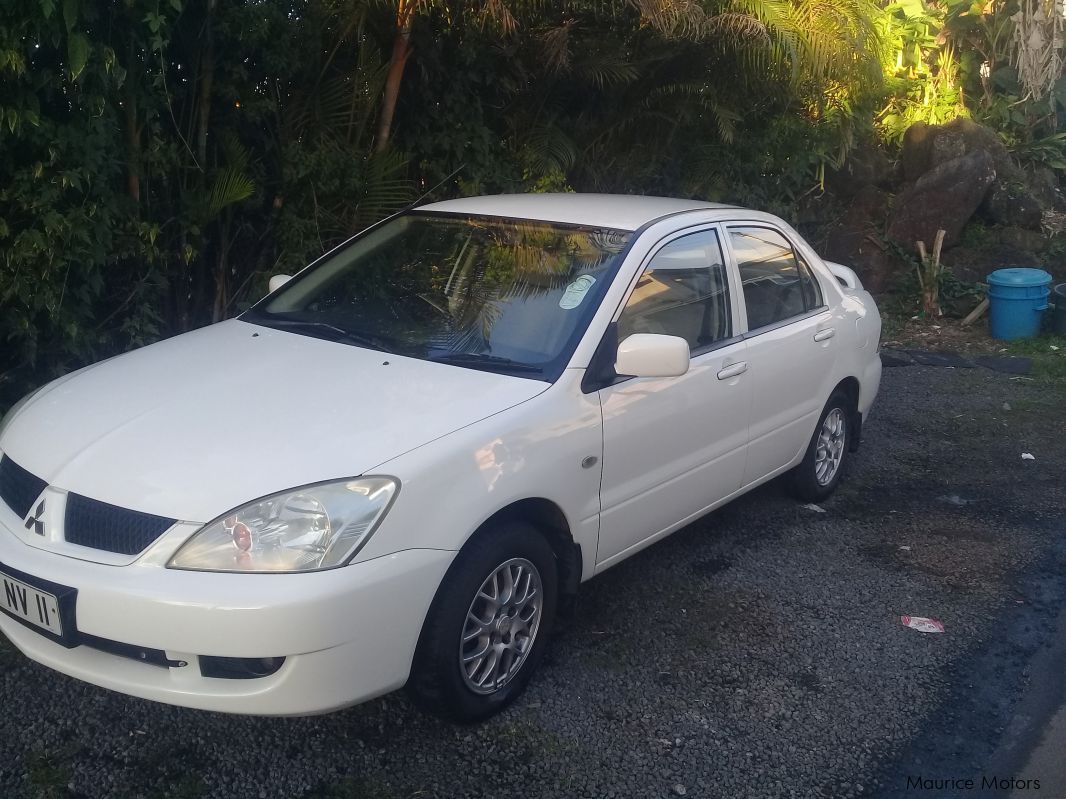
[[683, 292], [777, 284], [483, 292]]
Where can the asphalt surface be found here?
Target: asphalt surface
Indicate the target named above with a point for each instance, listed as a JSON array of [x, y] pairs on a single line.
[[756, 653]]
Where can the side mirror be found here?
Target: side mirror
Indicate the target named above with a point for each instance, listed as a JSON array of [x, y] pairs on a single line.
[[652, 355], [277, 281]]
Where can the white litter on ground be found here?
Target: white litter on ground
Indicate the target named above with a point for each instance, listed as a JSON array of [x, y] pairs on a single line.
[[955, 499], [922, 624], [815, 508], [1028, 456]]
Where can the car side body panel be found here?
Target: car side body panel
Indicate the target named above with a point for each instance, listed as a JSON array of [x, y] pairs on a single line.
[[550, 449], [464, 445]]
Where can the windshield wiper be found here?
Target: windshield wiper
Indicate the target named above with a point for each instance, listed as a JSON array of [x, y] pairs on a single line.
[[492, 362], [338, 333]]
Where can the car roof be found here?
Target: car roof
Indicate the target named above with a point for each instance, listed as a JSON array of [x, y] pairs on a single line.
[[619, 211]]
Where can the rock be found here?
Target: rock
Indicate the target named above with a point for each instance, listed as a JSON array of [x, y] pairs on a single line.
[[866, 165], [944, 197], [856, 241], [1031, 242], [917, 148], [1011, 203], [1043, 183], [964, 136]]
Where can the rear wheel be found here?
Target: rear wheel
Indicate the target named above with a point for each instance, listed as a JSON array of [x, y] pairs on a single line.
[[819, 473], [489, 624]]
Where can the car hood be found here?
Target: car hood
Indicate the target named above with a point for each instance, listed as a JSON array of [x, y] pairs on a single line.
[[196, 425]]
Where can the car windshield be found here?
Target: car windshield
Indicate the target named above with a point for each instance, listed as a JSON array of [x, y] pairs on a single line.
[[481, 292]]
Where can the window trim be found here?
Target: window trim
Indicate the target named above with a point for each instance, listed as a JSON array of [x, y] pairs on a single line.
[[799, 256], [802, 262], [750, 334], [597, 376], [730, 282]]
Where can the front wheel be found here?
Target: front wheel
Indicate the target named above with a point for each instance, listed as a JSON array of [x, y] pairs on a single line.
[[489, 624], [818, 474]]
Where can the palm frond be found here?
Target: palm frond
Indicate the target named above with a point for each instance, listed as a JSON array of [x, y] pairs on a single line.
[[229, 187], [386, 188]]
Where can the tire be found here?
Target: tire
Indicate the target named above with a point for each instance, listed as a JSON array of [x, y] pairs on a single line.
[[809, 481], [447, 677]]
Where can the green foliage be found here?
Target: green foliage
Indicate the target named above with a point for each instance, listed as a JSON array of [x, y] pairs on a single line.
[[159, 160], [923, 82], [48, 775], [1049, 151]]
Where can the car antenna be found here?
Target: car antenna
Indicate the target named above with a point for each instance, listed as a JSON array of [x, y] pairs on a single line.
[[428, 192]]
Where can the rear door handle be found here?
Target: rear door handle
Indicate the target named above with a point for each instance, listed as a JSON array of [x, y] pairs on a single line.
[[733, 370], [825, 335]]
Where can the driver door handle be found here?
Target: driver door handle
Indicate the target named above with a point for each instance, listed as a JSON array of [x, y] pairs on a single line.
[[825, 335], [733, 370]]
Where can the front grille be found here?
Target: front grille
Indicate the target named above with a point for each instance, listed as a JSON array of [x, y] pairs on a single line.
[[90, 523], [19, 488]]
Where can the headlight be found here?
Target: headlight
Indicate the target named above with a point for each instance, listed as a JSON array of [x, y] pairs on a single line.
[[316, 527], [18, 406]]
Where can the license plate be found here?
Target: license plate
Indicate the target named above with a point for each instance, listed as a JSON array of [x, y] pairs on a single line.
[[36, 607]]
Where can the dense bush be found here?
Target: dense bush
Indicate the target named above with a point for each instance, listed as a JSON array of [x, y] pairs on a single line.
[[159, 159]]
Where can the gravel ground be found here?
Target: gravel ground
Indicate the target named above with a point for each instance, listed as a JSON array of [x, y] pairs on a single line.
[[756, 653]]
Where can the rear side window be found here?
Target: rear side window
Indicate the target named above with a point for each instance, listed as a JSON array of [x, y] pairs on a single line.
[[683, 292], [777, 283]]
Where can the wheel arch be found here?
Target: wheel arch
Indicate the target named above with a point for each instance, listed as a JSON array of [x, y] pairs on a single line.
[[849, 386], [550, 520]]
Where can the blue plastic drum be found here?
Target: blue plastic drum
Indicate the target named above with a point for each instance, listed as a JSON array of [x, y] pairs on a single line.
[[1017, 299]]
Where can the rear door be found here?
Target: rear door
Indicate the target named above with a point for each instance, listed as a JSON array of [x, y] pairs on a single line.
[[674, 446], [791, 344]]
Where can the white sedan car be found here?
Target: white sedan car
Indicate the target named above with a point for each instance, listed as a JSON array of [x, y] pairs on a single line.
[[394, 469]]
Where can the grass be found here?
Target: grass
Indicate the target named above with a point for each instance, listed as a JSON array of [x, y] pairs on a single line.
[[1049, 364], [900, 330], [186, 786], [48, 776], [533, 739]]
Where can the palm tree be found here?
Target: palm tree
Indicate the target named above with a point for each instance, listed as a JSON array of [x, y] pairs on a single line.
[[485, 11]]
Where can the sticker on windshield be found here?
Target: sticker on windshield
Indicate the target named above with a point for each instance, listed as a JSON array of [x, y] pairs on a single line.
[[576, 292]]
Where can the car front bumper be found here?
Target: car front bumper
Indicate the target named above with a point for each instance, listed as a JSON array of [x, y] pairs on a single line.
[[347, 635]]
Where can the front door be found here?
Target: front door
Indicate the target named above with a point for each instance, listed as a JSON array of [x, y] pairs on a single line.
[[672, 447]]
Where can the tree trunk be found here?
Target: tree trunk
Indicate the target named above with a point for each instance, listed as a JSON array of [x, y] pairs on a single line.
[[401, 49], [221, 302], [133, 149], [207, 78], [133, 130]]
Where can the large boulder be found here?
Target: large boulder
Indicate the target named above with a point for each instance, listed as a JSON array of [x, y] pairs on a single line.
[[857, 240], [866, 165], [917, 150], [964, 136], [1043, 183], [1011, 201], [945, 197], [1012, 204]]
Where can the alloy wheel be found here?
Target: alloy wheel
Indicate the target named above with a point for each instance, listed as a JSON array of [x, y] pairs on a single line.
[[829, 450], [501, 626]]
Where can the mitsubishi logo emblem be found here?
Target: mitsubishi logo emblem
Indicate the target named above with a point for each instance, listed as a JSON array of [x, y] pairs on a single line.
[[34, 520]]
